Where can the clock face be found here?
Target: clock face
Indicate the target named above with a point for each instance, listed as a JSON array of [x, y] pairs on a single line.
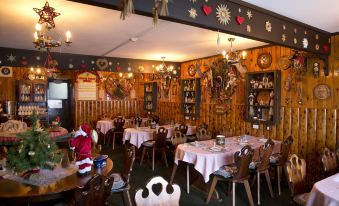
[[191, 70]]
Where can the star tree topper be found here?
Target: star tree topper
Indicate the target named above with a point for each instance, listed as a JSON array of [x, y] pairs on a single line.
[[47, 15]]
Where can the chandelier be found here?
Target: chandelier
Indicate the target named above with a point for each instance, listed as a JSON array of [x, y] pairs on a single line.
[[36, 74], [164, 70], [233, 57], [45, 28]]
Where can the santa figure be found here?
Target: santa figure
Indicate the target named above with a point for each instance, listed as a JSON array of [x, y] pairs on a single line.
[[81, 144]]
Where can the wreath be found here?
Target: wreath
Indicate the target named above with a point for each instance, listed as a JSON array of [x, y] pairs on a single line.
[[117, 88]]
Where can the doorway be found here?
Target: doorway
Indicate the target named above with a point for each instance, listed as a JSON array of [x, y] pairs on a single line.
[[60, 93]]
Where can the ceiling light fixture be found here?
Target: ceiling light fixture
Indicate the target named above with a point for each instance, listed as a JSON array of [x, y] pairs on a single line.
[[45, 27], [233, 57], [163, 69]]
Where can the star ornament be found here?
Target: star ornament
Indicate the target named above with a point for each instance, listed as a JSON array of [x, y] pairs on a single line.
[[11, 58], [193, 13], [47, 15], [268, 26]]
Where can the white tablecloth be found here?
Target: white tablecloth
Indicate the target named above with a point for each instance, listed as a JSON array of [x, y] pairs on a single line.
[[206, 162], [190, 131], [128, 123], [138, 136], [105, 125], [325, 192]]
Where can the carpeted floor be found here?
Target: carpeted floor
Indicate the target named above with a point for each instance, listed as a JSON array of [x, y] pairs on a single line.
[[142, 173]]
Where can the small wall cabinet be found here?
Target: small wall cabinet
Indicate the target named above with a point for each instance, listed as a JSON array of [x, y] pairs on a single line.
[[262, 100], [190, 98], [150, 96]]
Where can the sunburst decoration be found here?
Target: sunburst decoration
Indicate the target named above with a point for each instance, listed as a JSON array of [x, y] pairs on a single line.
[[249, 14], [305, 43], [223, 14], [283, 37], [193, 13], [268, 26]]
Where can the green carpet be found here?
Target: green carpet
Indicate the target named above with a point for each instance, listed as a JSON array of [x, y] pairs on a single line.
[[142, 173]]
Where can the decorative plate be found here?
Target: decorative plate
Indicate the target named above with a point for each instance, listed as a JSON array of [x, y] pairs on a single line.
[[322, 91], [284, 63], [191, 70], [264, 60]]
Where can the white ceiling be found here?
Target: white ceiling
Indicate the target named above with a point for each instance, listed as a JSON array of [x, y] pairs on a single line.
[[96, 31], [322, 14]]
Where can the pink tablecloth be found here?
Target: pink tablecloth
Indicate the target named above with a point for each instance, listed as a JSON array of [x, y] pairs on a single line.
[[104, 125], [206, 162], [325, 192], [138, 136], [190, 131]]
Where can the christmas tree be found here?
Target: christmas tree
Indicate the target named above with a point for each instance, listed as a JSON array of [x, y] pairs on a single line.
[[35, 149]]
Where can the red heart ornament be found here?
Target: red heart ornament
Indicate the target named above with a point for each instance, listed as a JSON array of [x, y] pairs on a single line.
[[326, 47], [207, 9], [239, 19]]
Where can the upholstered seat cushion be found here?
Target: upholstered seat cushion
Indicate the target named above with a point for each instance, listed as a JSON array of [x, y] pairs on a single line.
[[301, 199], [118, 182], [226, 171], [274, 158], [148, 143], [253, 165]]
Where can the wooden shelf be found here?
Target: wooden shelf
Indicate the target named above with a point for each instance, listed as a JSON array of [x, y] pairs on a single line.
[[150, 90], [190, 90]]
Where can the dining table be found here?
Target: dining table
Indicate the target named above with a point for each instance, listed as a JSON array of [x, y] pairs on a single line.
[[325, 192], [104, 125], [137, 136], [207, 158], [191, 130], [13, 192]]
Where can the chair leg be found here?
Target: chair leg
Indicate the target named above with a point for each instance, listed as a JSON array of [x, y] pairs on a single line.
[[268, 180], [233, 193], [175, 166], [248, 191], [113, 141], [278, 174], [164, 156], [142, 155], [153, 151], [128, 198], [258, 184], [212, 187], [188, 178]]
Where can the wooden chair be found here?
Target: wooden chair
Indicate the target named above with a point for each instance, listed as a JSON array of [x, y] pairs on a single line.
[[155, 119], [182, 128], [95, 192], [329, 160], [239, 173], [262, 166], [167, 195], [296, 173], [138, 121], [121, 183], [278, 160], [118, 129], [203, 125], [178, 138], [159, 144], [203, 134]]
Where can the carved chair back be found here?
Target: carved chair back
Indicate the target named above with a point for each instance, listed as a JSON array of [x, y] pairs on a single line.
[[129, 158], [329, 160], [285, 150], [265, 152], [296, 172], [158, 192], [203, 134], [242, 161], [178, 138], [160, 141]]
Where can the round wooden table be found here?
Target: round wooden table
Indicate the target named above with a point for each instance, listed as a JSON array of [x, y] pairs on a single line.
[[13, 193]]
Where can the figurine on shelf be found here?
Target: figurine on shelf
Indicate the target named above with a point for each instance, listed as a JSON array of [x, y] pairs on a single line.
[[265, 81], [251, 98], [81, 144], [271, 110]]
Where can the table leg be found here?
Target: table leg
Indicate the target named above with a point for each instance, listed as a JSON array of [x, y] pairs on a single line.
[[188, 178], [174, 171], [200, 185]]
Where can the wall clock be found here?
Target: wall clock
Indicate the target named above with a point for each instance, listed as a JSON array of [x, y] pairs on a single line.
[[322, 91], [264, 60], [191, 70]]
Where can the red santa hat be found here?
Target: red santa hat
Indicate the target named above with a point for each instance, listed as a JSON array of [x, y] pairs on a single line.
[[84, 130]]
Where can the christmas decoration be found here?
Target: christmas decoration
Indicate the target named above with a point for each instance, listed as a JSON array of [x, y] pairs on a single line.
[[239, 10], [249, 14], [326, 47], [316, 36], [305, 43], [295, 41], [32, 151], [23, 61], [248, 28], [317, 47], [47, 15], [193, 1], [207, 10], [127, 9], [160, 8], [102, 63], [223, 14], [193, 13], [11, 58], [283, 37], [268, 26], [284, 27], [240, 20], [81, 144]]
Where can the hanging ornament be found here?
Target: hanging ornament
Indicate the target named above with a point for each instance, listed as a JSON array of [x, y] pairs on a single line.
[[240, 20], [23, 61], [207, 10], [326, 47], [305, 32], [193, 1], [223, 14], [83, 65], [155, 16], [193, 13], [127, 9], [47, 15], [163, 4], [249, 14], [102, 63], [218, 43], [295, 30], [11, 58], [284, 27], [37, 58], [268, 26], [316, 36], [248, 28], [283, 37], [118, 67], [48, 146], [317, 47], [129, 68], [239, 10], [70, 66], [295, 41], [305, 43], [31, 153]]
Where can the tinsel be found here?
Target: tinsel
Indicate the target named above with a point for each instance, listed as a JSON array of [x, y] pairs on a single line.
[[163, 8], [127, 9], [160, 8], [155, 16]]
